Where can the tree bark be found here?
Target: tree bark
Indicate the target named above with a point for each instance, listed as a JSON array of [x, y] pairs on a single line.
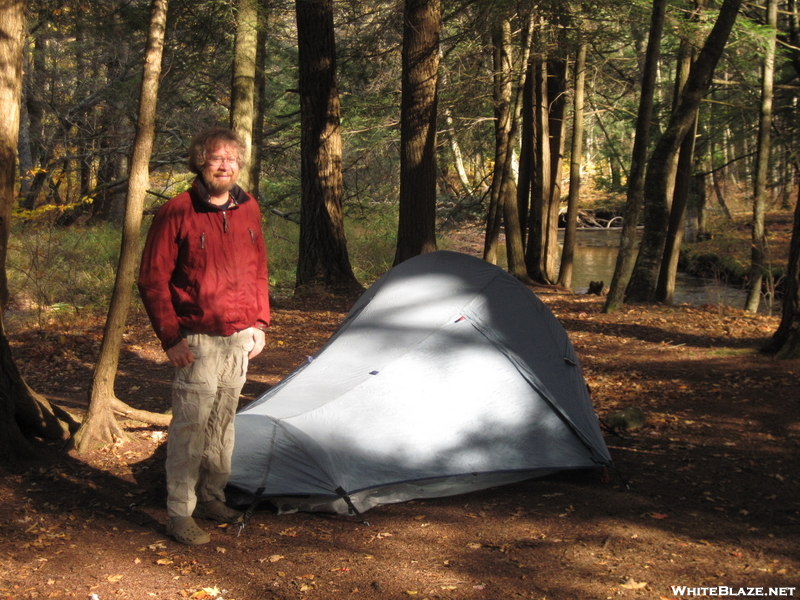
[[665, 289], [323, 259], [417, 219], [14, 447], [536, 253], [515, 251], [642, 285], [527, 156], [12, 38], [259, 101], [501, 99], [786, 340], [759, 250], [635, 193], [108, 204], [243, 87], [556, 117], [100, 425], [19, 405], [576, 156], [503, 202]]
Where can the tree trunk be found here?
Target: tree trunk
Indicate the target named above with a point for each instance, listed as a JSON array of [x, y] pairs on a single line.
[[14, 447], [515, 252], [665, 289], [501, 98], [243, 87], [417, 227], [12, 39], [576, 156], [114, 134], [503, 192], [635, 194], [557, 109], [100, 425], [642, 285], [20, 407], [786, 340], [759, 249], [527, 156], [323, 258], [259, 101], [452, 139], [538, 219]]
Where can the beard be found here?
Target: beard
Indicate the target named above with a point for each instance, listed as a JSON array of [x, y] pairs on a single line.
[[217, 187]]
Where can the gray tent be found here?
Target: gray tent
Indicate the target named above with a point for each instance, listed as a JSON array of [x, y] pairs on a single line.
[[448, 375]]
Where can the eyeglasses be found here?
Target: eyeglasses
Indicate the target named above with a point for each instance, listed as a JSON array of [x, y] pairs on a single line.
[[218, 160]]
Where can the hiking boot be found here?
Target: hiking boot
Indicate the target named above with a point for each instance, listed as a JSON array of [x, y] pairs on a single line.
[[185, 531], [218, 511]]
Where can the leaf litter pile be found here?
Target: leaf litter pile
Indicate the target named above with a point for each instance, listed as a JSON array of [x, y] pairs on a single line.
[[705, 494]]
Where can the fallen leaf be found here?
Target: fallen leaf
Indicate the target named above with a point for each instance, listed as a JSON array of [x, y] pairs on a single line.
[[630, 584], [164, 561], [221, 550], [658, 516]]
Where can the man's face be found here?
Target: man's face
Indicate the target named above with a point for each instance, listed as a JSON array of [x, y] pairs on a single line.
[[221, 168]]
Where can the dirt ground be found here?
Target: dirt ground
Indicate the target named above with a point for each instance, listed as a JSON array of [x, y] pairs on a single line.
[[706, 495]]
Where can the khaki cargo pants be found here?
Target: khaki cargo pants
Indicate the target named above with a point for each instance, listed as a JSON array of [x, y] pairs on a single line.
[[205, 395]]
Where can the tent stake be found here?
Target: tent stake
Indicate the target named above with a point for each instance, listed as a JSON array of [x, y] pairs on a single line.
[[250, 510], [353, 509]]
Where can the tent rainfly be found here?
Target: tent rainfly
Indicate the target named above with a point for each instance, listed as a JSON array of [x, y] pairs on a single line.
[[447, 376]]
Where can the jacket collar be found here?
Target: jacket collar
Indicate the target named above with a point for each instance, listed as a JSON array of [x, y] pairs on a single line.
[[202, 197]]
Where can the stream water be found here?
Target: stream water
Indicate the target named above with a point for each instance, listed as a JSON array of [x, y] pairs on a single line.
[[596, 255]]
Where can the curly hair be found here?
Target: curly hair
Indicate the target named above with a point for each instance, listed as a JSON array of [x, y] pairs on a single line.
[[207, 140]]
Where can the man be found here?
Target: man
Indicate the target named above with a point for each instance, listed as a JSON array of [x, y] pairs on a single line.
[[203, 281]]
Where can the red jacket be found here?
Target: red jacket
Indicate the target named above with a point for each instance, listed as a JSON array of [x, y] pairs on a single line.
[[204, 269]]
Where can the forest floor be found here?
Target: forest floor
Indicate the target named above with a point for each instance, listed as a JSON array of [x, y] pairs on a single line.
[[705, 495]]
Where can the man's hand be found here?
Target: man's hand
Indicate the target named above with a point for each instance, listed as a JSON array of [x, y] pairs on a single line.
[[180, 355], [259, 340]]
